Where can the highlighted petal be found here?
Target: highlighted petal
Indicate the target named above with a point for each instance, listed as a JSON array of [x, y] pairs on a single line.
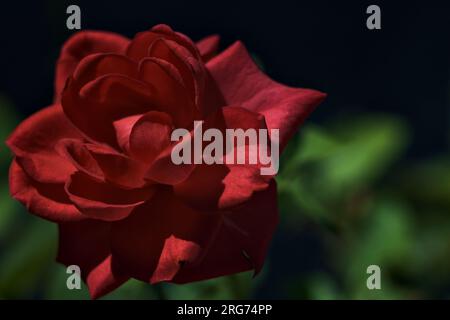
[[208, 47], [242, 83]]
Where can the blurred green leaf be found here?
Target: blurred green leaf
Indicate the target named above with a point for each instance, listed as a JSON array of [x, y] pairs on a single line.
[[385, 238], [26, 260], [298, 168], [9, 208], [314, 144], [236, 286], [325, 169], [56, 287], [133, 290], [316, 286], [369, 146]]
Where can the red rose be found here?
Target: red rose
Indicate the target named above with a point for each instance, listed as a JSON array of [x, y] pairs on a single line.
[[97, 161]]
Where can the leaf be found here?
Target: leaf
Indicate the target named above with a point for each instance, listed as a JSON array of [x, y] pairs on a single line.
[[56, 285], [299, 162], [321, 287], [26, 260], [133, 290], [9, 209], [385, 239], [326, 168], [236, 286], [369, 146]]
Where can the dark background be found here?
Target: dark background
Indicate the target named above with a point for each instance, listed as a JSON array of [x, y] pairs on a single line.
[[401, 70]]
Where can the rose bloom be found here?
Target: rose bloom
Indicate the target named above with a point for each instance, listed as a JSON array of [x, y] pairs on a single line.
[[97, 161]]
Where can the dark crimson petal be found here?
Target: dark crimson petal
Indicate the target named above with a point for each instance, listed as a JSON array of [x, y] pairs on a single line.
[[80, 45], [174, 54], [34, 142], [201, 88], [86, 244], [119, 169], [98, 104], [191, 70], [123, 129], [175, 252], [80, 157], [160, 235], [104, 201], [242, 241], [103, 163], [172, 96], [242, 83], [138, 47], [208, 47], [48, 201], [150, 135], [164, 171], [204, 186], [180, 38], [225, 185], [97, 65]]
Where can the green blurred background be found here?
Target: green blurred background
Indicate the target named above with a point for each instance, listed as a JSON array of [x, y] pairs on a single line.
[[365, 182]]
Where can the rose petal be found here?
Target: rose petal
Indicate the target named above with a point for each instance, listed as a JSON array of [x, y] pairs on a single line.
[[150, 135], [119, 169], [123, 129], [174, 253], [104, 201], [190, 69], [80, 45], [48, 201], [171, 95], [228, 184], [100, 64], [104, 163], [86, 244], [34, 140], [139, 240], [99, 103], [164, 171], [208, 47], [180, 38], [242, 83], [80, 157], [138, 47], [242, 241]]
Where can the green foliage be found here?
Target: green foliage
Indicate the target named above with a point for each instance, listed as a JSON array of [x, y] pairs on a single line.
[[28, 256], [236, 286], [330, 168]]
